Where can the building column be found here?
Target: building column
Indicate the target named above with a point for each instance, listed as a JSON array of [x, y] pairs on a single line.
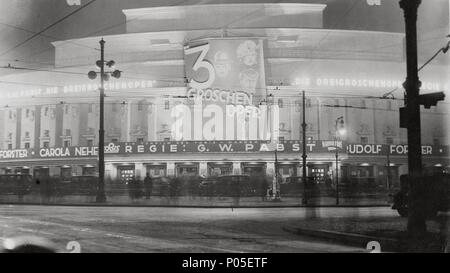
[[110, 171], [170, 169], [140, 170], [203, 168], [237, 168], [270, 168], [128, 138], [18, 128]]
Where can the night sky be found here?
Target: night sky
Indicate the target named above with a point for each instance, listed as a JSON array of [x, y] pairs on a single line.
[[22, 18]]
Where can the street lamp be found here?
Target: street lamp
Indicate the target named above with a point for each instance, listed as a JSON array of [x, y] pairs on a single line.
[[104, 76], [339, 131]]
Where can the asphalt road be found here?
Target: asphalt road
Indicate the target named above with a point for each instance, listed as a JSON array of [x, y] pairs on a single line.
[[145, 229]]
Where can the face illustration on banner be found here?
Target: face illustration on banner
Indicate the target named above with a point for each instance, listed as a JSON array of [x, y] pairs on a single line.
[[230, 64]]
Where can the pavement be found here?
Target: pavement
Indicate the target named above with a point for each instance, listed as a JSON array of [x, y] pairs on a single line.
[[387, 234], [190, 201], [167, 230]]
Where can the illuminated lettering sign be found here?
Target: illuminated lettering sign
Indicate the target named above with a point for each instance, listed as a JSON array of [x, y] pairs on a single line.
[[382, 149], [73, 2], [226, 70], [373, 2], [209, 147], [365, 83]]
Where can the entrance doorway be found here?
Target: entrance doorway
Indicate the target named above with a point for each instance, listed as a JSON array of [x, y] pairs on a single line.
[[189, 169], [156, 170], [218, 169], [254, 168], [126, 173], [319, 173]]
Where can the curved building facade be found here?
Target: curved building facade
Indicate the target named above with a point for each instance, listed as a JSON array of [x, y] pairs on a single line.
[[215, 89]]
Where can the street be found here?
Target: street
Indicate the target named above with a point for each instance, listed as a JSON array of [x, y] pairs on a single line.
[[165, 230]]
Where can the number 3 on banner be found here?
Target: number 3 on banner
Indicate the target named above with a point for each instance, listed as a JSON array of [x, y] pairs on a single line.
[[202, 63], [374, 246], [73, 247]]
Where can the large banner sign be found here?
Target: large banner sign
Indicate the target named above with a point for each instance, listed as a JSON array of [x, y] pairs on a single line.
[[401, 149], [205, 147], [230, 71], [227, 83], [173, 147]]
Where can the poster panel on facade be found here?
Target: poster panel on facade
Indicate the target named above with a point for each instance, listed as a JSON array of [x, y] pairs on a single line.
[[228, 67]]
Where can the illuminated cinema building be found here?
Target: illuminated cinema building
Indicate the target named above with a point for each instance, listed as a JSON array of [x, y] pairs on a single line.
[[211, 93]]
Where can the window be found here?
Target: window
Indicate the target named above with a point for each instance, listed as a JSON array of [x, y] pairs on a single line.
[[9, 146], [67, 132], [90, 142], [140, 140], [140, 106], [298, 106], [66, 109], [167, 139], [46, 133], [90, 108], [389, 140], [114, 140], [167, 105], [66, 143], [10, 114], [364, 140], [46, 144], [46, 111], [27, 145], [27, 113], [280, 103], [27, 134], [280, 138]]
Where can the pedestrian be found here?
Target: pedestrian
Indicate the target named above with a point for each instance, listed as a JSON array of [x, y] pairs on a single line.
[[235, 191], [138, 187], [263, 188], [148, 185], [132, 188]]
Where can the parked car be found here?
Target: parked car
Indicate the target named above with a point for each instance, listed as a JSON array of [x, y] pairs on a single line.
[[77, 185], [231, 185], [207, 186], [161, 186], [436, 191]]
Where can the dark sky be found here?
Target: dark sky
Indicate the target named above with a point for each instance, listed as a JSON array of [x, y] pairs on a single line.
[[21, 18]]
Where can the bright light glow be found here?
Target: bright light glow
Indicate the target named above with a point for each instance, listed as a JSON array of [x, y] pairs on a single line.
[[9, 244], [342, 132]]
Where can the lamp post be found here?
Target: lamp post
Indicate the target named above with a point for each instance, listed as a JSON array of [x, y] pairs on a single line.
[[304, 180], [104, 76], [339, 129]]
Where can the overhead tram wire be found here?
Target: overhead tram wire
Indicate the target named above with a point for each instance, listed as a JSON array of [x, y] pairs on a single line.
[[95, 32], [45, 35], [47, 28]]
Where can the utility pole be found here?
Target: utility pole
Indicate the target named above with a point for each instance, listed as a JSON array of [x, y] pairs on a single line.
[[304, 180], [388, 172], [104, 76], [416, 217], [101, 196]]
